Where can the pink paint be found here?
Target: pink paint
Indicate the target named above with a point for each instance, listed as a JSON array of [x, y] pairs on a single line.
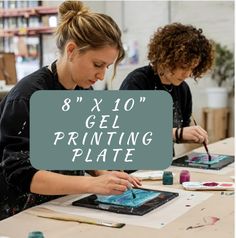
[[194, 158], [211, 184], [211, 220], [184, 176], [226, 184], [208, 221]]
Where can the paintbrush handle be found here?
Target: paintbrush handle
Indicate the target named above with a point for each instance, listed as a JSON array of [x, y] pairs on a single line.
[[87, 221], [130, 188], [204, 143], [195, 123], [132, 191], [47, 213], [205, 146]]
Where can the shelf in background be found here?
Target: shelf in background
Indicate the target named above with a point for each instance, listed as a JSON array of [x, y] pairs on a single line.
[[27, 12], [27, 31]]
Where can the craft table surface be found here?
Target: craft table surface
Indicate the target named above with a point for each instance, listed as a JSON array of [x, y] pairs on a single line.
[[219, 205]]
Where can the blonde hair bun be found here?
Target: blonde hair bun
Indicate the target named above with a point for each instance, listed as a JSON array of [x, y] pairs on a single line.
[[71, 8]]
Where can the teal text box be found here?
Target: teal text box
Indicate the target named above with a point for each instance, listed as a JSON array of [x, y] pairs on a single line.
[[115, 130]]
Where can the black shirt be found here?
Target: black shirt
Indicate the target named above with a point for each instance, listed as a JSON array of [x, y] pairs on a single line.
[[144, 78], [16, 171]]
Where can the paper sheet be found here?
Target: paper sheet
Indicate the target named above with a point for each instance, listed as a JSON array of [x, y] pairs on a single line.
[[157, 218], [149, 174]]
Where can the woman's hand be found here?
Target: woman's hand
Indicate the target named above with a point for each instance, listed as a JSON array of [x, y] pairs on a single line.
[[195, 134], [136, 182], [112, 182], [132, 179]]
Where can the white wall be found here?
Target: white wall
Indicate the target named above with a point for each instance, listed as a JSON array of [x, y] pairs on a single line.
[[216, 18]]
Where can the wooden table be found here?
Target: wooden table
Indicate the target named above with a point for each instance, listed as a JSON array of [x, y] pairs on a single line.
[[219, 205]]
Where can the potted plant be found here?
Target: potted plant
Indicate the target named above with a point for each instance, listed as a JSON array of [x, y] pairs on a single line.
[[223, 75]]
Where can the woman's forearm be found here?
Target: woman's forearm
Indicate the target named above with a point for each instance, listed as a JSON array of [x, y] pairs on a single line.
[[50, 183]]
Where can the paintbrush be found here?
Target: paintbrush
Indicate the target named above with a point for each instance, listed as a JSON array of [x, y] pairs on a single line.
[[132, 191], [130, 188], [204, 143], [48, 213]]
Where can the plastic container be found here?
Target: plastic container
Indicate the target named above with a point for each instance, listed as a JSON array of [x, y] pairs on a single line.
[[217, 97], [36, 234], [167, 178], [184, 176]]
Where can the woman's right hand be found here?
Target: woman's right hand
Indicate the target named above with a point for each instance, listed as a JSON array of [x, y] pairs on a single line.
[[110, 184], [195, 134]]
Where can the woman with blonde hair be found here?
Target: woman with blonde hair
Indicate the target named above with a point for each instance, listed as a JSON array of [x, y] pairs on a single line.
[[88, 43]]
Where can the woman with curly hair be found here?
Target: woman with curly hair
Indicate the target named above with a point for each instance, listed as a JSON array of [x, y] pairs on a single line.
[[176, 52]]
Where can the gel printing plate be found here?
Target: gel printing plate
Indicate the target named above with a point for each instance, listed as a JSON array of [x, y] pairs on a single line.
[[201, 161], [145, 201]]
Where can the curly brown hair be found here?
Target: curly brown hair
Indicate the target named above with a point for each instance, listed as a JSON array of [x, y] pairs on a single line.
[[178, 46]]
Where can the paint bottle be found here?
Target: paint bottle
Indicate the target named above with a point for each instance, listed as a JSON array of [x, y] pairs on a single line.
[[167, 178], [36, 234], [184, 176]]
